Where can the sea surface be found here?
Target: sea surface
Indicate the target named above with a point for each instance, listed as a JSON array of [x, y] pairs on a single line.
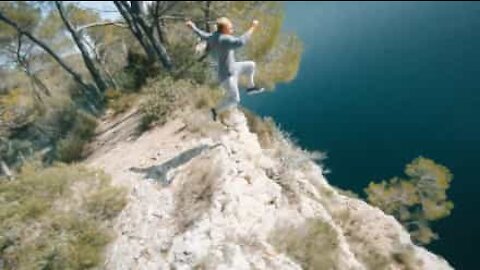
[[381, 83]]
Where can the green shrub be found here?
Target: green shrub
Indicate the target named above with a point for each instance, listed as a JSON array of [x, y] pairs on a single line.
[[415, 201], [106, 203], [164, 97], [47, 220], [70, 148], [122, 104], [136, 72], [205, 97], [128, 79], [11, 150], [85, 125], [119, 101]]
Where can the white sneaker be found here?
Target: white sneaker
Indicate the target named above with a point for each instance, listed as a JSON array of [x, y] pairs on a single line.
[[255, 90]]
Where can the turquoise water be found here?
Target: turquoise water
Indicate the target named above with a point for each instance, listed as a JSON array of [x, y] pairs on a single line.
[[382, 83]]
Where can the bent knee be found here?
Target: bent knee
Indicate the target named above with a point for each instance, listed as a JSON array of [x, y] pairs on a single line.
[[233, 97], [248, 67]]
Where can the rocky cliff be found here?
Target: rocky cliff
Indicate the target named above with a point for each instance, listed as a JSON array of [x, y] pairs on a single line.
[[208, 196]]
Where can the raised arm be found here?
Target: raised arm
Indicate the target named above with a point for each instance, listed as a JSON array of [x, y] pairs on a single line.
[[237, 42], [202, 34]]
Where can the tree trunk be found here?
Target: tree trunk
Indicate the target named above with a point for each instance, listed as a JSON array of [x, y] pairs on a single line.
[[100, 58], [207, 15], [36, 83], [39, 84], [161, 51], [158, 20], [158, 24], [25, 64], [96, 74], [137, 14], [5, 169], [135, 30], [133, 15]]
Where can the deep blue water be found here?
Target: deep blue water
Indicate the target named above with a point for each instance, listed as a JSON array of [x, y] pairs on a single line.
[[382, 83]]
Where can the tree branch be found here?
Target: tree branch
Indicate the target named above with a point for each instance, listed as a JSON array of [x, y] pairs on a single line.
[[99, 24], [168, 8], [138, 20], [46, 48], [6, 170], [207, 15], [123, 9], [101, 84]]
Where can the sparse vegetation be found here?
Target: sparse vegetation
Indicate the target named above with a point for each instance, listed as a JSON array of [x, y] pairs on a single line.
[[314, 244], [63, 65], [46, 223], [347, 193], [118, 101], [271, 137], [406, 258], [292, 158], [43, 84], [265, 128], [162, 98], [166, 96], [56, 128], [195, 195], [415, 201], [70, 148]]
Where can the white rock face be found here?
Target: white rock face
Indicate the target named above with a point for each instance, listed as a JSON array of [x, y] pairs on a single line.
[[238, 206]]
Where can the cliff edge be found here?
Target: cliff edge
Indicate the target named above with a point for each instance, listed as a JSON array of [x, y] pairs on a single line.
[[203, 195]]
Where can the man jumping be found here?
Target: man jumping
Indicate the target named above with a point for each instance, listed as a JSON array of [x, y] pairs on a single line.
[[221, 45]]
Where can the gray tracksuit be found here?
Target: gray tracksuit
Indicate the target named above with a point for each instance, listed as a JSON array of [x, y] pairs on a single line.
[[222, 48]]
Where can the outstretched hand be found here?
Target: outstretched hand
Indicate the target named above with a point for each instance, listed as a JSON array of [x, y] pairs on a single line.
[[189, 23], [254, 24]]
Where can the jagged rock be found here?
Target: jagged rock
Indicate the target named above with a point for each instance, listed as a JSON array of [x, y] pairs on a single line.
[[238, 206]]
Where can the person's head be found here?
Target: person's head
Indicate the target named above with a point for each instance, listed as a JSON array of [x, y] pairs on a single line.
[[224, 26]]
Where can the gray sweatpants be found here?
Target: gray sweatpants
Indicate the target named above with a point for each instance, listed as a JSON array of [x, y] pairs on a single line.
[[230, 84]]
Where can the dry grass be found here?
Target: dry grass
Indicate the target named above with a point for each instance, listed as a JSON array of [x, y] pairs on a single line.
[[166, 97], [406, 258], [347, 193], [194, 193], [45, 223], [314, 245], [292, 160], [264, 128], [119, 102], [271, 137]]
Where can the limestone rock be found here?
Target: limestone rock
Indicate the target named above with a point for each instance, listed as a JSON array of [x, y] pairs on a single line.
[[238, 206]]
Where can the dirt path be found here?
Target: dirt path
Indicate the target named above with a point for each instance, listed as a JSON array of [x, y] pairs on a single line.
[[111, 131]]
